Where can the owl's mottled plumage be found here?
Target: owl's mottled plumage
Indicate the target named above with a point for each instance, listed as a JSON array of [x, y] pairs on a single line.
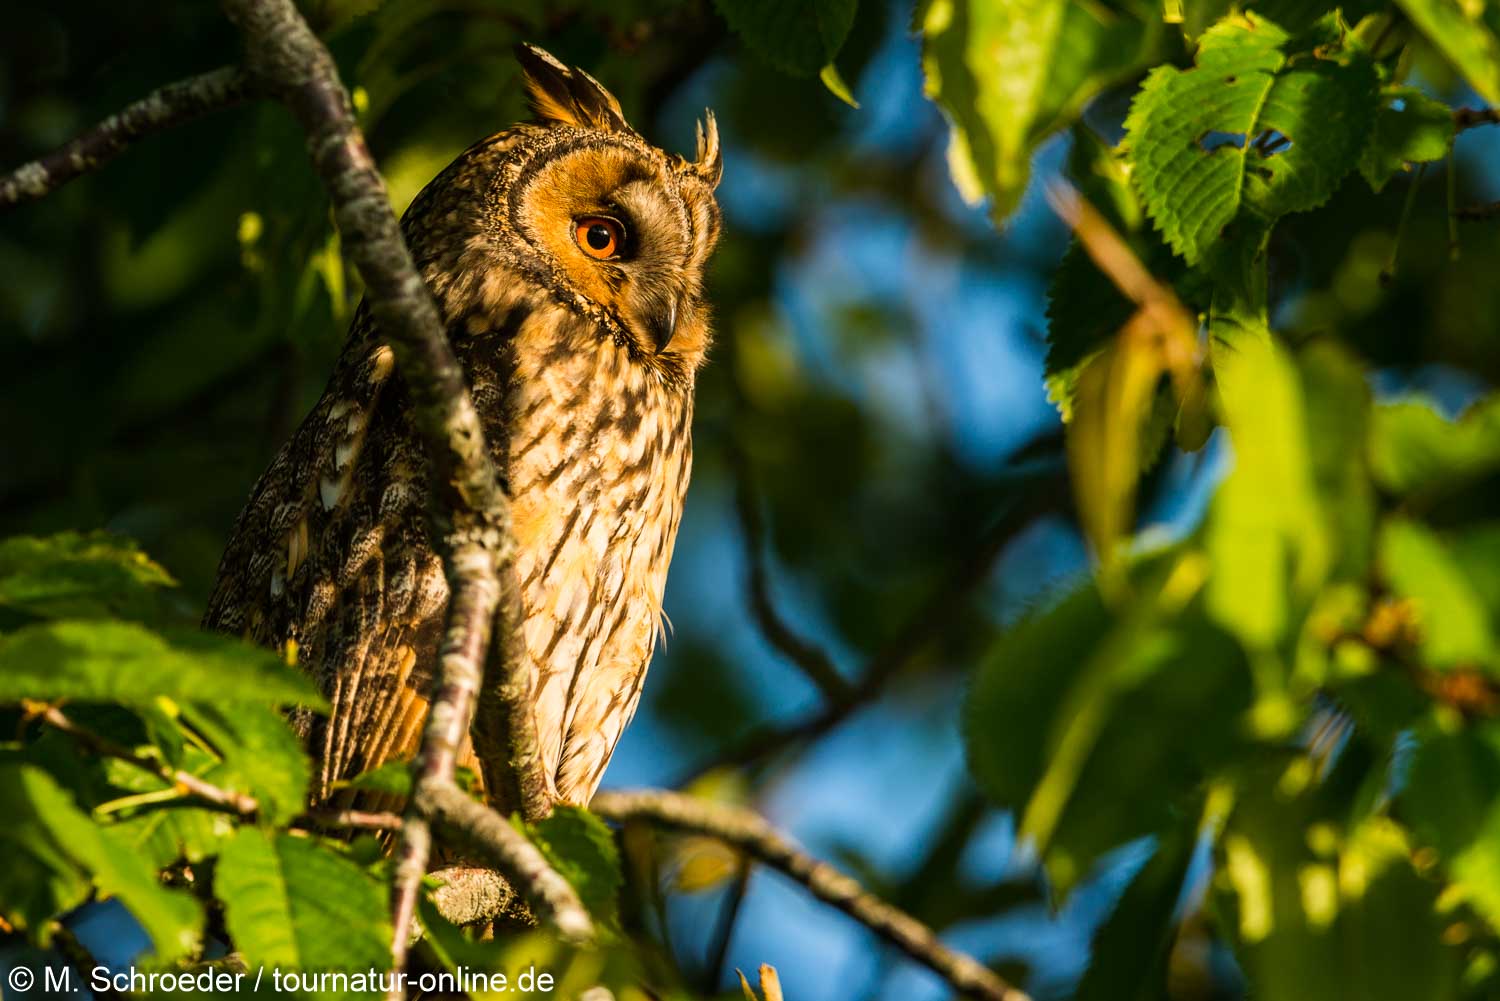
[[582, 371]]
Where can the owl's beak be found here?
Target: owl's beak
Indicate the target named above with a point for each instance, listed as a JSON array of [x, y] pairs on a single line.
[[661, 323]]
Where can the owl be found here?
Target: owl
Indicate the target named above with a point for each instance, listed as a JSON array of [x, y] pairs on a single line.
[[567, 257]]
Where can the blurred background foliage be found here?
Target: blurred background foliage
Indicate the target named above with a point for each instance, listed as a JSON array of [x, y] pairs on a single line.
[[1229, 772]]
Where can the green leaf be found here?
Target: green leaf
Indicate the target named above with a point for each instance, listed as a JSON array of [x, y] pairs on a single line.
[[581, 848], [1071, 717], [260, 756], [292, 903], [1319, 912], [104, 661], [1128, 961], [1266, 532], [54, 852], [392, 778], [75, 574], [1465, 33], [1414, 449], [1452, 620], [171, 831], [1410, 128], [1009, 75], [1452, 799], [797, 36], [1264, 124]]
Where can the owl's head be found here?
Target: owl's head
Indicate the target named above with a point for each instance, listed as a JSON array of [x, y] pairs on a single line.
[[577, 206]]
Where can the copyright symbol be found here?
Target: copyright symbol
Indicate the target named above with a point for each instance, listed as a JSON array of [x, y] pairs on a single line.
[[21, 979]]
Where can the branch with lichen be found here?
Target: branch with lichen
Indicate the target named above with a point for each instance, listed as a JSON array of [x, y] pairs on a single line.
[[748, 832], [471, 511], [172, 105]]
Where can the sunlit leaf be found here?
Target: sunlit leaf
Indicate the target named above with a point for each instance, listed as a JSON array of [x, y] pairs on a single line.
[[75, 574], [1451, 620], [293, 904], [104, 661], [582, 849], [1465, 33], [1414, 448], [1265, 123], [1009, 75], [260, 756]]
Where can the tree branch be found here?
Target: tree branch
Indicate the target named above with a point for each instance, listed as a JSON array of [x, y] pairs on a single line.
[[510, 851], [812, 659], [749, 832], [1469, 118], [172, 105], [1047, 491], [472, 513]]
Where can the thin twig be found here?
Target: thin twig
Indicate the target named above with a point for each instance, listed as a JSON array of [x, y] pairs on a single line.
[[228, 799], [749, 832], [510, 851], [1469, 118], [1478, 213], [812, 659], [1048, 492], [172, 105]]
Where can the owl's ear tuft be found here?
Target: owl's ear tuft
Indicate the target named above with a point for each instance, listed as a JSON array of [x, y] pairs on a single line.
[[709, 158], [562, 96]]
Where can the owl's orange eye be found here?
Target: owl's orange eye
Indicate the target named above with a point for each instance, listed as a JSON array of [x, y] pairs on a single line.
[[599, 236]]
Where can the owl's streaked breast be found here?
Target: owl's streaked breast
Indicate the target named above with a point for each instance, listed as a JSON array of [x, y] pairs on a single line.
[[599, 457]]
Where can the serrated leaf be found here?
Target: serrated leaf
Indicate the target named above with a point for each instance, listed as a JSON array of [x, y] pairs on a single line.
[[1451, 620], [292, 903], [581, 848], [260, 756], [1465, 33], [1009, 75], [54, 852], [1414, 448], [1410, 128], [106, 661], [797, 36], [166, 832], [1264, 124], [75, 574]]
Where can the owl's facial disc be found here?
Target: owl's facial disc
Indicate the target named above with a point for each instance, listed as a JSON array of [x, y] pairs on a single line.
[[628, 240]]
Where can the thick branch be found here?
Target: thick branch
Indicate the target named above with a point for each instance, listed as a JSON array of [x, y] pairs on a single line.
[[472, 512], [158, 111], [510, 851], [748, 832], [287, 59]]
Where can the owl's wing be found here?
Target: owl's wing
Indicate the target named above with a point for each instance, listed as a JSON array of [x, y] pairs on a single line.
[[331, 562]]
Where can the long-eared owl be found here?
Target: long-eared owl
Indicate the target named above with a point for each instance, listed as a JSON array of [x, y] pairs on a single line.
[[566, 256]]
